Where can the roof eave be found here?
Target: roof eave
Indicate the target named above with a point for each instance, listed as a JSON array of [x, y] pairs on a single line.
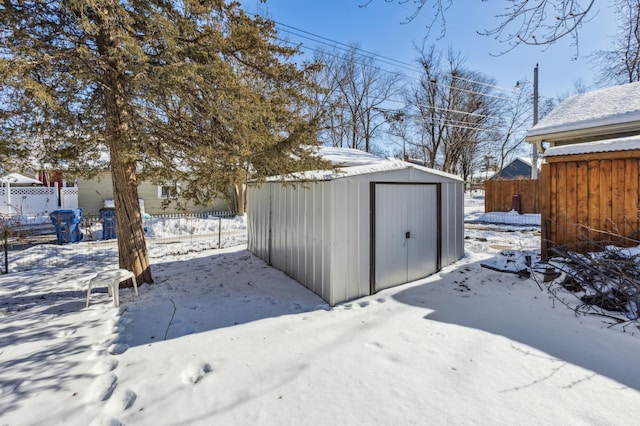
[[585, 134]]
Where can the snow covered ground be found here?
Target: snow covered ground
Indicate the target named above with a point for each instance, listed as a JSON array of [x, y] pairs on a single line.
[[222, 338]]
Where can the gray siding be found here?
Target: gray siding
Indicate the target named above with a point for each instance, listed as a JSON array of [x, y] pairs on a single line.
[[319, 233]]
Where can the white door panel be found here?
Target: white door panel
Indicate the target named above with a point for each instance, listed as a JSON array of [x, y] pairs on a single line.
[[406, 233]]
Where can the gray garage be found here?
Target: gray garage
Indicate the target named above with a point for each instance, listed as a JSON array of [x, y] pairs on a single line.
[[365, 228]]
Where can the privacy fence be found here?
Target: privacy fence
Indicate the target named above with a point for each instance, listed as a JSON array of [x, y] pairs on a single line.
[[499, 195], [590, 198], [36, 200]]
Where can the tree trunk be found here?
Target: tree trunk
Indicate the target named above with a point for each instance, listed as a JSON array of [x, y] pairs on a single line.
[[132, 249], [241, 199]]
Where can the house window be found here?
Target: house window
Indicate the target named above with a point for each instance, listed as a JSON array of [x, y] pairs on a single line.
[[168, 190]]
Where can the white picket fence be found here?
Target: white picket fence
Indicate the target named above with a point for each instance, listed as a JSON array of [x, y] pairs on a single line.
[[36, 200]]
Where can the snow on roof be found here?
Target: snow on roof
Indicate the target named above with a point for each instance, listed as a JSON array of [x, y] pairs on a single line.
[[18, 178], [356, 162], [613, 105], [609, 145], [348, 157]]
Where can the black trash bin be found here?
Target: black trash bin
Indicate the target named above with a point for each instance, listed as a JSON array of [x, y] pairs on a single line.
[[515, 203], [67, 224], [109, 224]]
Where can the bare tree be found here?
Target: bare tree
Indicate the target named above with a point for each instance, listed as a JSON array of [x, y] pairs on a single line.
[[454, 109], [357, 94], [523, 21], [515, 119], [621, 64]]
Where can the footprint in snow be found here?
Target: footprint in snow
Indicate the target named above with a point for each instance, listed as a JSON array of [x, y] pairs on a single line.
[[106, 421], [121, 400], [118, 348], [195, 372], [66, 333], [122, 338], [97, 354], [105, 365], [102, 387], [296, 306], [9, 387], [118, 329], [101, 346]]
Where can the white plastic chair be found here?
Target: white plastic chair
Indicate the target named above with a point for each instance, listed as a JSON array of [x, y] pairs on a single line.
[[112, 280]]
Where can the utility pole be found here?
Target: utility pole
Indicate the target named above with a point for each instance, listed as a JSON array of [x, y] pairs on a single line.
[[534, 147]]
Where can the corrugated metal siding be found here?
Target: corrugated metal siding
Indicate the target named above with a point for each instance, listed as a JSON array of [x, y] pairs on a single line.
[[258, 207], [319, 233], [300, 227], [279, 226], [351, 243], [327, 239], [452, 231]]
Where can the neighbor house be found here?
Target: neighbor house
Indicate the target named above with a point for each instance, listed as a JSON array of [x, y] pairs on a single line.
[[518, 168], [97, 192], [590, 189]]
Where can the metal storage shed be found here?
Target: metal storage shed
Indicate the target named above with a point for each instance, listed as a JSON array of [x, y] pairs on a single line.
[[362, 229]]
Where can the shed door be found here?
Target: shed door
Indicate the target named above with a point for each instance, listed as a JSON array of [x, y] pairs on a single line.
[[406, 238]]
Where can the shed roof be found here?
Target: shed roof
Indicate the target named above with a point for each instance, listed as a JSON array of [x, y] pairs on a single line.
[[357, 163], [604, 113], [348, 157], [630, 143]]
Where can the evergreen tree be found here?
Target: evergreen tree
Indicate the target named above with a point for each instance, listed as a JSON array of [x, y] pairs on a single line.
[[172, 90]]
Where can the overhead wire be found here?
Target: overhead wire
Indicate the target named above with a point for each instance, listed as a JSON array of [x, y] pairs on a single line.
[[381, 59], [324, 52], [289, 29]]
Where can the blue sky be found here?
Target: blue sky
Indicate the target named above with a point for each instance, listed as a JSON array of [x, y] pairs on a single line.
[[379, 28]]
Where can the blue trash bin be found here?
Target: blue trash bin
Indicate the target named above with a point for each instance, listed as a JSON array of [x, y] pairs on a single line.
[[109, 224], [67, 224]]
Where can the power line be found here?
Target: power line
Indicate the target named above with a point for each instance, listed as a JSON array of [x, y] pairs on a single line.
[[324, 52], [384, 59], [381, 58]]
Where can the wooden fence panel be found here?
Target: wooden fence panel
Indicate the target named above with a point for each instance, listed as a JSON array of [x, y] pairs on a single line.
[[605, 196], [593, 201], [561, 204], [572, 206], [498, 195], [545, 206], [553, 205], [590, 199], [631, 195], [582, 202]]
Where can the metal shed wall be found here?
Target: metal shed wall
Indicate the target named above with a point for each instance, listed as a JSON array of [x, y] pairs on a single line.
[[291, 228], [452, 222], [319, 233]]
